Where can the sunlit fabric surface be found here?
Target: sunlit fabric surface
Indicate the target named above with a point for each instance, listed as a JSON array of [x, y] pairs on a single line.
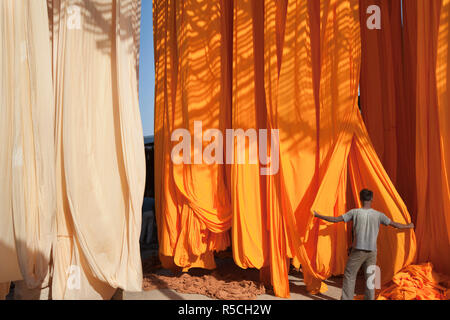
[[100, 160], [295, 68], [27, 171]]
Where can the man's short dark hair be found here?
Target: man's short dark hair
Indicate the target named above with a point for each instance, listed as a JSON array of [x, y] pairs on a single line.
[[365, 195]]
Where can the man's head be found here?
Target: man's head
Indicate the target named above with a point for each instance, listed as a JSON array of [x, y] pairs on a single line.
[[366, 196]]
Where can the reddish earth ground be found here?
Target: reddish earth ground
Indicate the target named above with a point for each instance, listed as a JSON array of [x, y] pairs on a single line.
[[229, 282]]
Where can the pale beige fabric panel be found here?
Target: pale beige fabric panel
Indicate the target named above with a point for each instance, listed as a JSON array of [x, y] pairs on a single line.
[[27, 171], [100, 151]]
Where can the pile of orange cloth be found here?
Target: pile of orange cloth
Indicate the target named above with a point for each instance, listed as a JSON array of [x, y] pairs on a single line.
[[417, 282]]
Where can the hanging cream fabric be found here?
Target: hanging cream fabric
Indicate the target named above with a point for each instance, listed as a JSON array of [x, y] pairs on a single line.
[[27, 172], [417, 282], [100, 152]]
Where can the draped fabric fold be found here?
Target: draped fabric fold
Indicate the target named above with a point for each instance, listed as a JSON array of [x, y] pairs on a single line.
[[100, 160], [27, 172], [417, 282]]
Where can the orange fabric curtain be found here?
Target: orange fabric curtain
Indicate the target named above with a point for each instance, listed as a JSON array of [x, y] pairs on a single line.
[[290, 104], [433, 134], [406, 115], [420, 64], [333, 136], [296, 70], [192, 94], [378, 86], [250, 226], [415, 66], [343, 138], [100, 160]]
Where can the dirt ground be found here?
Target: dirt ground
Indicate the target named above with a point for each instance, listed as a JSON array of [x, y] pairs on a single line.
[[226, 282]]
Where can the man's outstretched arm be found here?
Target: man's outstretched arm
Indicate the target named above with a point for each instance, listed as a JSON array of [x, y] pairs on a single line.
[[401, 226], [329, 219]]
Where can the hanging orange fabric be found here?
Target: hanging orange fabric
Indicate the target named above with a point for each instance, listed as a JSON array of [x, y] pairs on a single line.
[[249, 228], [433, 134], [406, 111], [278, 84], [327, 244], [165, 84], [194, 213], [291, 111], [343, 138], [322, 251], [441, 261], [378, 86]]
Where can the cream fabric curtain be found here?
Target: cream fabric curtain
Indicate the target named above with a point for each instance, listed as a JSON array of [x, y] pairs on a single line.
[[27, 175], [100, 152], [71, 97]]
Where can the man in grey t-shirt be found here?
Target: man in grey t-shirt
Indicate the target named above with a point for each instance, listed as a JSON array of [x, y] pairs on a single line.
[[366, 224]]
